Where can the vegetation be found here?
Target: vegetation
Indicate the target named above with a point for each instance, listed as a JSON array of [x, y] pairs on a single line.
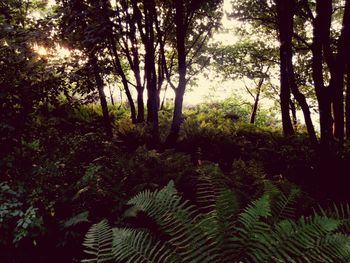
[[263, 231], [87, 176]]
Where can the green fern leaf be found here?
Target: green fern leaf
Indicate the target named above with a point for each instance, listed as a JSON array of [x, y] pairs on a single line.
[[98, 243], [340, 212], [292, 239], [331, 248], [181, 221], [216, 234], [138, 246], [282, 204], [251, 231]]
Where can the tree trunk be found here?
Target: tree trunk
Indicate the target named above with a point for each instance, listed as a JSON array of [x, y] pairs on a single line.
[[132, 55], [337, 78], [140, 106], [285, 27], [140, 90], [180, 90], [300, 98], [293, 109], [256, 101], [286, 12], [322, 92], [120, 72], [347, 103], [102, 96], [152, 93], [116, 57], [146, 29]]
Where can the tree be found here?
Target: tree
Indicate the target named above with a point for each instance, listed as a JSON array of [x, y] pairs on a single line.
[[187, 23], [285, 18], [145, 19], [181, 55], [347, 99], [273, 17], [80, 29], [338, 74], [249, 58], [128, 42], [28, 83], [285, 14]]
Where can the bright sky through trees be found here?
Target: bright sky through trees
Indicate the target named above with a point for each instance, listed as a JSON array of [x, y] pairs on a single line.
[[208, 86]]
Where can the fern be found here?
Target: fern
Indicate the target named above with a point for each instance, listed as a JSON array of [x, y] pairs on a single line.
[[187, 228], [77, 219], [250, 230], [264, 231], [297, 239], [98, 243], [340, 212], [138, 246], [282, 204]]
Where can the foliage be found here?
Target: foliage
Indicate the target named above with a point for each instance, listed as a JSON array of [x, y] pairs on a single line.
[[98, 242], [18, 221], [262, 231], [59, 173]]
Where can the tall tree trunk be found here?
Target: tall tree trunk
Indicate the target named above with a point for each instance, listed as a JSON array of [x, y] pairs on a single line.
[[347, 101], [150, 16], [285, 24], [293, 109], [320, 32], [102, 95], [140, 90], [286, 10], [181, 55], [161, 77], [300, 98], [337, 78], [140, 106], [148, 39], [120, 72], [132, 55], [116, 57]]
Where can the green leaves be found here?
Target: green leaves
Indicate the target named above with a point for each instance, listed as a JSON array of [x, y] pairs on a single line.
[[77, 219], [98, 243], [138, 246], [262, 232]]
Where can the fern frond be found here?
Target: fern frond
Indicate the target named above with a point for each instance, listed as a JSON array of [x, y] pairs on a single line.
[[271, 189], [98, 243], [292, 239], [251, 232], [138, 246], [214, 198], [218, 205], [340, 212], [210, 184], [282, 204], [187, 228], [332, 248], [257, 234], [284, 207]]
